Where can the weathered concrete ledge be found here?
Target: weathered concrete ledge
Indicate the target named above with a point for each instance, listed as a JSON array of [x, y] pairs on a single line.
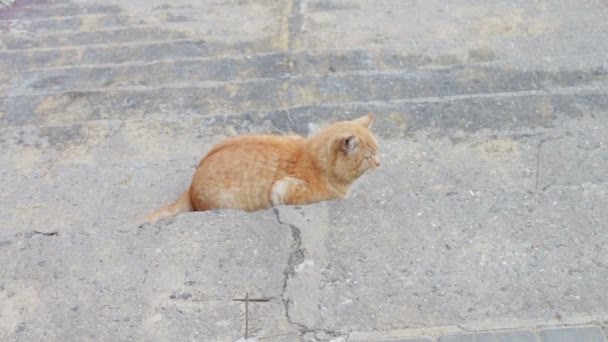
[[330, 269], [154, 282]]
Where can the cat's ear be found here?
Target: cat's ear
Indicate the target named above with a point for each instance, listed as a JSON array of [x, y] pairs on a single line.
[[349, 144], [366, 120]]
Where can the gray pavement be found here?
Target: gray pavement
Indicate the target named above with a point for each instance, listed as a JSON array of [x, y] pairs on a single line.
[[486, 221]]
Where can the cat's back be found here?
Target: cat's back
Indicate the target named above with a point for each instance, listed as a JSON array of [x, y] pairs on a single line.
[[259, 145], [256, 154]]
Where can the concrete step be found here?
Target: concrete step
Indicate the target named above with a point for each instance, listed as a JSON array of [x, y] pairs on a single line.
[[505, 28], [31, 3], [101, 303], [65, 18], [44, 18], [157, 73], [488, 208], [12, 61], [108, 36], [518, 114], [91, 22], [448, 259], [326, 268], [563, 71], [449, 92], [63, 9], [50, 171], [61, 196]]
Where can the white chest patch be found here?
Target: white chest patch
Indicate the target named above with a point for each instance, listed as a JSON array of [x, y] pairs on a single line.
[[280, 189]]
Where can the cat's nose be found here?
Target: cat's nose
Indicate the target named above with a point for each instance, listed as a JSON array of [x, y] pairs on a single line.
[[377, 161]]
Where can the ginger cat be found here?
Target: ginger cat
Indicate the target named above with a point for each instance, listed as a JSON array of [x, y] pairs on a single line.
[[260, 171]]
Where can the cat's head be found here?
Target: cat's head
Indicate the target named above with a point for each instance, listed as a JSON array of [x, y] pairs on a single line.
[[353, 148]]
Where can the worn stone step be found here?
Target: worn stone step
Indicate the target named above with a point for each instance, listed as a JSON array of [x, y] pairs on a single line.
[[344, 257], [49, 171], [56, 196], [206, 18], [56, 10], [152, 74], [109, 36], [147, 51], [156, 73], [31, 3], [470, 114], [92, 22], [266, 65], [507, 29], [478, 112], [285, 93], [117, 280], [38, 27], [279, 65], [448, 260], [341, 60]]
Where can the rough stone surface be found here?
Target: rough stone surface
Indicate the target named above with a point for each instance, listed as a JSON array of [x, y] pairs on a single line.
[[503, 336], [153, 282], [417, 339], [587, 334], [435, 264], [486, 220]]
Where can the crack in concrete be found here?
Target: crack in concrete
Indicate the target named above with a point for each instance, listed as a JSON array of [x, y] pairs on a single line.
[[296, 257], [604, 327], [465, 329], [589, 99], [592, 148], [51, 233]]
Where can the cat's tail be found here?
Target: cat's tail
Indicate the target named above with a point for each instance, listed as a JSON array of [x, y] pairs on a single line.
[[182, 205]]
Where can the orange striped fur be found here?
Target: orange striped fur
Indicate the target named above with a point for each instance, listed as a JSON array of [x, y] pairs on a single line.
[[260, 171]]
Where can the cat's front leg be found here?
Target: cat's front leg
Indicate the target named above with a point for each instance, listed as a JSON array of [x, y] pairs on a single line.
[[284, 190], [294, 191]]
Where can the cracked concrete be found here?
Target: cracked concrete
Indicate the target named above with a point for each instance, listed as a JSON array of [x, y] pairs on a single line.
[[295, 258], [345, 285], [150, 282], [486, 215]]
